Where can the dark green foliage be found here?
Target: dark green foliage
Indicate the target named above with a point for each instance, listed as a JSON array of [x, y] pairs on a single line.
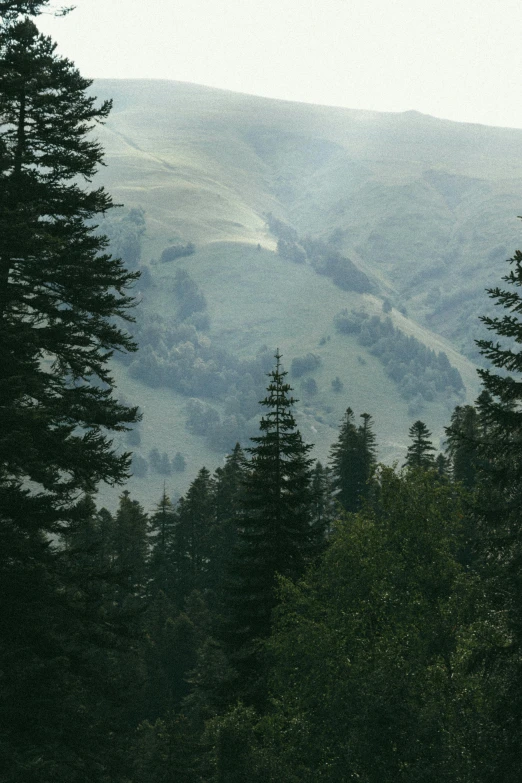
[[62, 298], [65, 681], [442, 466], [229, 500], [196, 518], [498, 507], [463, 436], [59, 294], [303, 364], [10, 9], [276, 535], [372, 677], [166, 752], [352, 460], [420, 451], [177, 251], [324, 509], [131, 546], [163, 561]]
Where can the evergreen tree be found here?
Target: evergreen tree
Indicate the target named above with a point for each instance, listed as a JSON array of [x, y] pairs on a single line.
[[60, 299], [498, 511], [463, 436], [59, 292], [352, 460], [323, 507], [420, 451], [163, 537], [196, 515], [276, 536], [368, 450], [229, 498], [131, 545]]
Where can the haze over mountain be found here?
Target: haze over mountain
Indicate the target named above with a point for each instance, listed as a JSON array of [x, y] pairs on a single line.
[[305, 222]]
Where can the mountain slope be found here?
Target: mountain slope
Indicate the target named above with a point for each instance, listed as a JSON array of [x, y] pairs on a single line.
[[425, 208]]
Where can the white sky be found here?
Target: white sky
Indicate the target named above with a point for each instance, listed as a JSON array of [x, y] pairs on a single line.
[[457, 59]]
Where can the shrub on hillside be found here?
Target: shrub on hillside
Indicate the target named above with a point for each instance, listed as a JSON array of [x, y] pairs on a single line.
[[177, 251]]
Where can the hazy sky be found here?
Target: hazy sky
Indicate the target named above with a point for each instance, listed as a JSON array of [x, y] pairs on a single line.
[[458, 59]]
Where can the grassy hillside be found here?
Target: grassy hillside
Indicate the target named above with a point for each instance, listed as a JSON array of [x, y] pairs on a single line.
[[425, 208]]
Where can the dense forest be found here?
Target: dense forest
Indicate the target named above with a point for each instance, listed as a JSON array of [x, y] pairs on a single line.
[[283, 620]]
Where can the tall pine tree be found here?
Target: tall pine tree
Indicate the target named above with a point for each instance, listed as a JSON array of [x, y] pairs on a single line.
[[352, 460], [498, 510], [420, 451], [61, 297], [60, 293], [276, 535]]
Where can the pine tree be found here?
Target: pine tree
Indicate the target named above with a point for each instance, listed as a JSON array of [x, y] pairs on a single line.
[[59, 291], [463, 436], [223, 536], [276, 535], [498, 515], [131, 545], [420, 451], [163, 536], [352, 460], [196, 515], [324, 506], [61, 297]]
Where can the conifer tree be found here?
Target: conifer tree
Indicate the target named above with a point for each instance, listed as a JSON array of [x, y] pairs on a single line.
[[352, 460], [229, 498], [463, 436], [60, 293], [163, 536], [498, 509], [276, 535], [61, 297], [131, 545], [420, 451], [323, 506], [196, 514]]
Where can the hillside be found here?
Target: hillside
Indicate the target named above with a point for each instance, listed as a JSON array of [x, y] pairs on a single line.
[[401, 216]]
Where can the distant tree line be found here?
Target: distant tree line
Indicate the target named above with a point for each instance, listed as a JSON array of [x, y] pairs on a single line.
[[323, 257], [173, 252], [420, 373]]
